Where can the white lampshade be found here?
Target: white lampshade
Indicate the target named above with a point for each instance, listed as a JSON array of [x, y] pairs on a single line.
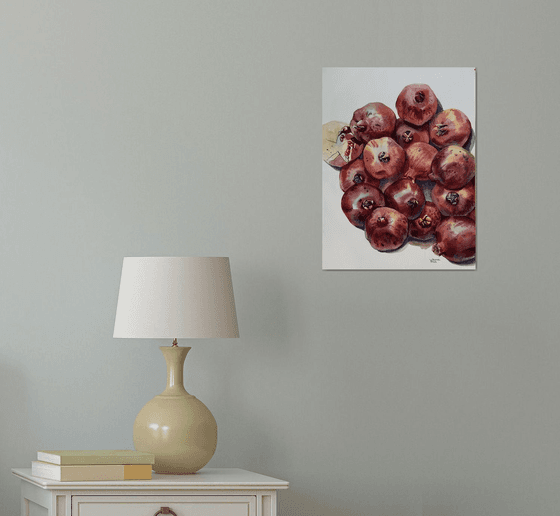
[[176, 297]]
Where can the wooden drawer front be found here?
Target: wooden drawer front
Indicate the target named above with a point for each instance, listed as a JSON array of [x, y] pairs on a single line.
[[226, 505]]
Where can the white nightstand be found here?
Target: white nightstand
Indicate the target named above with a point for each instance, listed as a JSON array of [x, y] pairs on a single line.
[[209, 492]]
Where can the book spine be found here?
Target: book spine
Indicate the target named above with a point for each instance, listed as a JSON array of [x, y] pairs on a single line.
[[137, 472]]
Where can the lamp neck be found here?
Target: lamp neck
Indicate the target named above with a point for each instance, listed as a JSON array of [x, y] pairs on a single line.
[[175, 358]]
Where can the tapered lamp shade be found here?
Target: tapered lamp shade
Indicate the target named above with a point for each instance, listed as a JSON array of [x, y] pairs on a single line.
[[176, 297]]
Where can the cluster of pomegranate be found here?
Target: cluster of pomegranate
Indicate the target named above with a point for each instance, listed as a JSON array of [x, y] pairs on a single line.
[[407, 178]]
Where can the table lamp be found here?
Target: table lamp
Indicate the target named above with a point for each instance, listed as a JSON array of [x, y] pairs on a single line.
[[175, 298]]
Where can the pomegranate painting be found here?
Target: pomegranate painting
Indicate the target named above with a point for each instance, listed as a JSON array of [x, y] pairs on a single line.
[[399, 169]]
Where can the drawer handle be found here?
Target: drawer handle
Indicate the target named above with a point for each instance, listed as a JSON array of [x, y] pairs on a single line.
[[165, 510]]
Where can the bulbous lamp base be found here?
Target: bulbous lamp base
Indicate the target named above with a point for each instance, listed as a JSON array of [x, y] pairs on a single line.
[[175, 426]]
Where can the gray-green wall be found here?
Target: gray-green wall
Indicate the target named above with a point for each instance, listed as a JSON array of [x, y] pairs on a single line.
[[140, 128]]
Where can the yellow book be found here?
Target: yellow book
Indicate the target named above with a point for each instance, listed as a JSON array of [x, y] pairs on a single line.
[[86, 457], [91, 472]]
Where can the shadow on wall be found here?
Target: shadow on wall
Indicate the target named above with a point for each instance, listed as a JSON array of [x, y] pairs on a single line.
[[17, 442]]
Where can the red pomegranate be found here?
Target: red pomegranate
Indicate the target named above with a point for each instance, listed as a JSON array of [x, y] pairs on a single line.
[[386, 229], [453, 167], [450, 127], [355, 173], [456, 239], [419, 157], [408, 134], [454, 202], [374, 120], [424, 226], [405, 196], [359, 201], [416, 104], [384, 158]]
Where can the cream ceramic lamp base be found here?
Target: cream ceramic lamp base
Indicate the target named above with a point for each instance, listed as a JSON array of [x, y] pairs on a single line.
[[175, 426]]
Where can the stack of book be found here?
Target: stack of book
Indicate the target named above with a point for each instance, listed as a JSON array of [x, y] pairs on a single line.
[[85, 465]]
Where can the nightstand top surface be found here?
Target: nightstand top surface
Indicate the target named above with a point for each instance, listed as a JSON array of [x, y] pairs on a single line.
[[205, 479]]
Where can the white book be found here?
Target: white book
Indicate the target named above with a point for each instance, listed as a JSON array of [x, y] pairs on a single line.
[[84, 457]]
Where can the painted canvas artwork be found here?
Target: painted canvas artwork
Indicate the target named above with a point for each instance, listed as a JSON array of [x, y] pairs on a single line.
[[399, 168]]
